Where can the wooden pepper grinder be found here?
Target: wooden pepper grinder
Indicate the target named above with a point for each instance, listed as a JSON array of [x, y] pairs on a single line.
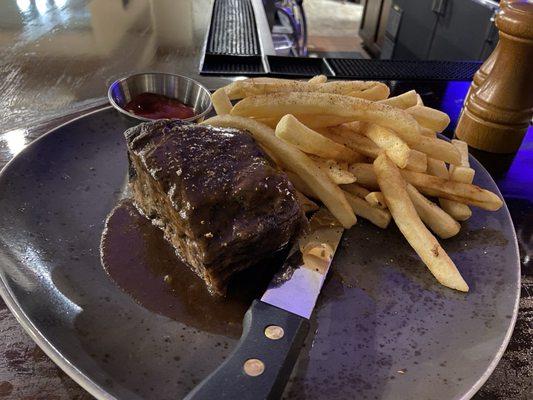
[[497, 113]]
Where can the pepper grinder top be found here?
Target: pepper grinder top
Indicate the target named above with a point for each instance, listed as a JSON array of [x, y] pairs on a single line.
[[497, 113]]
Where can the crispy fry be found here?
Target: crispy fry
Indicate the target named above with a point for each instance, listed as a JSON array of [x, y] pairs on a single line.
[[377, 216], [395, 148], [463, 172], [318, 79], [306, 203], [459, 211], [365, 175], [354, 141], [374, 93], [417, 161], [435, 148], [427, 132], [300, 184], [376, 199], [355, 189], [458, 191], [432, 215], [277, 104], [402, 101], [329, 193], [419, 101], [421, 240], [221, 102], [429, 117], [337, 172], [309, 141], [260, 86], [434, 186]]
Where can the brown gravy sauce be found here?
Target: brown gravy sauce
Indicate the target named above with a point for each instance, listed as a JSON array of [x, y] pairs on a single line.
[[144, 265]]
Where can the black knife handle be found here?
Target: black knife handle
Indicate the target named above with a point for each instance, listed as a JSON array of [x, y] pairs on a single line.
[[270, 359]]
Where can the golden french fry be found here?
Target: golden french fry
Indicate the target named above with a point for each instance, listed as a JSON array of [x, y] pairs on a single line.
[[419, 101], [376, 199], [427, 132], [300, 185], [329, 193], [462, 172], [309, 141], [270, 122], [419, 237], [354, 141], [354, 126], [221, 102], [429, 117], [320, 121], [337, 172], [402, 101], [459, 173], [432, 215], [395, 148], [318, 79], [277, 104], [377, 92], [434, 186], [417, 161], [365, 175], [260, 86], [355, 189], [457, 191], [434, 148], [459, 211], [377, 216], [462, 147], [306, 203]]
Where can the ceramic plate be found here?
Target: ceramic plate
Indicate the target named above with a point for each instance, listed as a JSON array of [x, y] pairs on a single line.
[[382, 329]]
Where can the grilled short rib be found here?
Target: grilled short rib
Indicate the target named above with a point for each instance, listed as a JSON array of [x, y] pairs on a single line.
[[215, 194]]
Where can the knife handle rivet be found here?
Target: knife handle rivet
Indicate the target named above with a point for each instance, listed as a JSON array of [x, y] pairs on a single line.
[[274, 332], [254, 367]]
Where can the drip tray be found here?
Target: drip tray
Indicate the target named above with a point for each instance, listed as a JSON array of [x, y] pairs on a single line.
[[215, 64]]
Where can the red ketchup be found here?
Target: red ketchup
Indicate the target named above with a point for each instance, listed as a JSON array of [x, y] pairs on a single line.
[[157, 106]]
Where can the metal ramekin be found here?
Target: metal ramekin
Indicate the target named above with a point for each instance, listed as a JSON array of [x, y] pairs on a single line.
[[179, 87]]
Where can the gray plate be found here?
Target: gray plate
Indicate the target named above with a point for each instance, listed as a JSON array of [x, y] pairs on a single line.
[[383, 329]]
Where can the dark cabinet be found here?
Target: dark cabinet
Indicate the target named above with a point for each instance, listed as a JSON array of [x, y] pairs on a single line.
[[429, 29]]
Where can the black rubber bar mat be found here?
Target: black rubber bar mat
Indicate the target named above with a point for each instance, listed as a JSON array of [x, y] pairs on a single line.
[[232, 65], [294, 66], [406, 70], [233, 30]]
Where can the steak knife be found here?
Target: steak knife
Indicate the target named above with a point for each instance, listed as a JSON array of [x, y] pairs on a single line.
[[275, 327]]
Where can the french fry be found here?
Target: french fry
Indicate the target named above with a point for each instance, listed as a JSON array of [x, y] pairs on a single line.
[[260, 86], [417, 161], [365, 175], [318, 79], [435, 148], [377, 216], [429, 117], [458, 191], [434, 186], [309, 141], [306, 203], [354, 141], [377, 92], [419, 101], [300, 185], [338, 173], [277, 104], [320, 121], [462, 172], [395, 148], [354, 126], [427, 132], [402, 101], [329, 193], [432, 215], [419, 237], [376, 199], [459, 211], [355, 189], [221, 102]]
